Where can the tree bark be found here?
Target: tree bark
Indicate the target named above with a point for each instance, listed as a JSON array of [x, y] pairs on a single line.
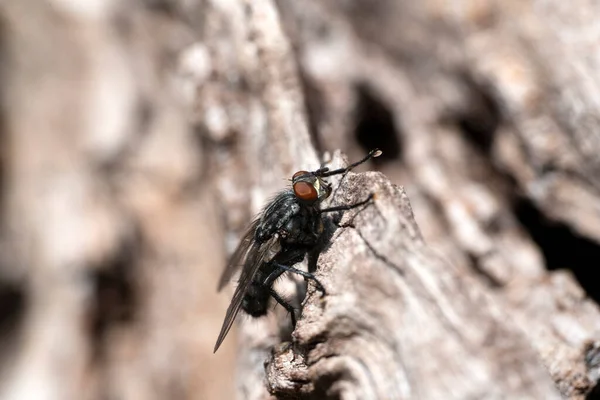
[[138, 139], [398, 322]]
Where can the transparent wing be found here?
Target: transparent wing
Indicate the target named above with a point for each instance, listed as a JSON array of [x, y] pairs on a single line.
[[238, 257], [256, 255]]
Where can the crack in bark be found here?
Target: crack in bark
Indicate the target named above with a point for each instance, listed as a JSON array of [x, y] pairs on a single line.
[[380, 257]]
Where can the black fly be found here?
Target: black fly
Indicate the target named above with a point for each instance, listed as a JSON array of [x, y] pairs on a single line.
[[285, 231]]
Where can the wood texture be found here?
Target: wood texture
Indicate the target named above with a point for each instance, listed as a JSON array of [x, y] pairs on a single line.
[[398, 322], [139, 138]]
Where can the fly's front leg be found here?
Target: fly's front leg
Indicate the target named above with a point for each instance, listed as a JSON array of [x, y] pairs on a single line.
[[348, 206], [306, 275]]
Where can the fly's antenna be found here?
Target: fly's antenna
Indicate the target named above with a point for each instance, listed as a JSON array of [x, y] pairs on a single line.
[[324, 172], [372, 154]]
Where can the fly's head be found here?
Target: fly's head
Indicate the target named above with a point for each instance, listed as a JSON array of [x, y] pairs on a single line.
[[311, 187]]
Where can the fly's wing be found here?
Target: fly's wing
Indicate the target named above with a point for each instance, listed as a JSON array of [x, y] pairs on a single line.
[[239, 255], [257, 254], [272, 214]]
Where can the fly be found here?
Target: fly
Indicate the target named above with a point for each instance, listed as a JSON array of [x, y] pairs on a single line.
[[285, 231]]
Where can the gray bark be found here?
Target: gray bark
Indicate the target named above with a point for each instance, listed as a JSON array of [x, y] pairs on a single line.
[[139, 138]]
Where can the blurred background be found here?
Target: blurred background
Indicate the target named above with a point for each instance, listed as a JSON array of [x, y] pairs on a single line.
[[138, 139]]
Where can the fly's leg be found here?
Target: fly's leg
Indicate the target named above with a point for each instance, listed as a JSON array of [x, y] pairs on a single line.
[[306, 275], [272, 277], [284, 304], [348, 206]]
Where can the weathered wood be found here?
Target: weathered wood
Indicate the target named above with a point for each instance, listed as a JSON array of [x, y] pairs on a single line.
[[111, 239], [491, 120], [455, 137], [397, 321], [139, 138]]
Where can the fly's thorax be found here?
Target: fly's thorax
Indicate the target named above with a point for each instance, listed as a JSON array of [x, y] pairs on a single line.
[[302, 228], [276, 215]]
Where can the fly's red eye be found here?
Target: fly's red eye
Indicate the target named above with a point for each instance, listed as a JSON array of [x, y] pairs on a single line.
[[305, 191], [299, 173]]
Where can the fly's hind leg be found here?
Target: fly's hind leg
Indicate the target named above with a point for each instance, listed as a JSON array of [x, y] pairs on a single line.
[[306, 275], [285, 305]]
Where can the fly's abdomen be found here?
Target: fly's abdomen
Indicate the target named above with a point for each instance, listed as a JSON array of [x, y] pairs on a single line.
[[256, 299]]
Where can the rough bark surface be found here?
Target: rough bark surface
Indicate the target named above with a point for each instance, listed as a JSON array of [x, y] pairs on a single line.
[[138, 139], [398, 322]]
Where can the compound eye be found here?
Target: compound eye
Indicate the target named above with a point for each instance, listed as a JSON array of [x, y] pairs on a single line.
[[299, 173], [305, 191]]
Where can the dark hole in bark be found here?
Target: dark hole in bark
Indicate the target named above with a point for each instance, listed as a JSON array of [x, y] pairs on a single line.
[[375, 126], [12, 307], [324, 385], [595, 393], [115, 297], [481, 117], [562, 247]]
